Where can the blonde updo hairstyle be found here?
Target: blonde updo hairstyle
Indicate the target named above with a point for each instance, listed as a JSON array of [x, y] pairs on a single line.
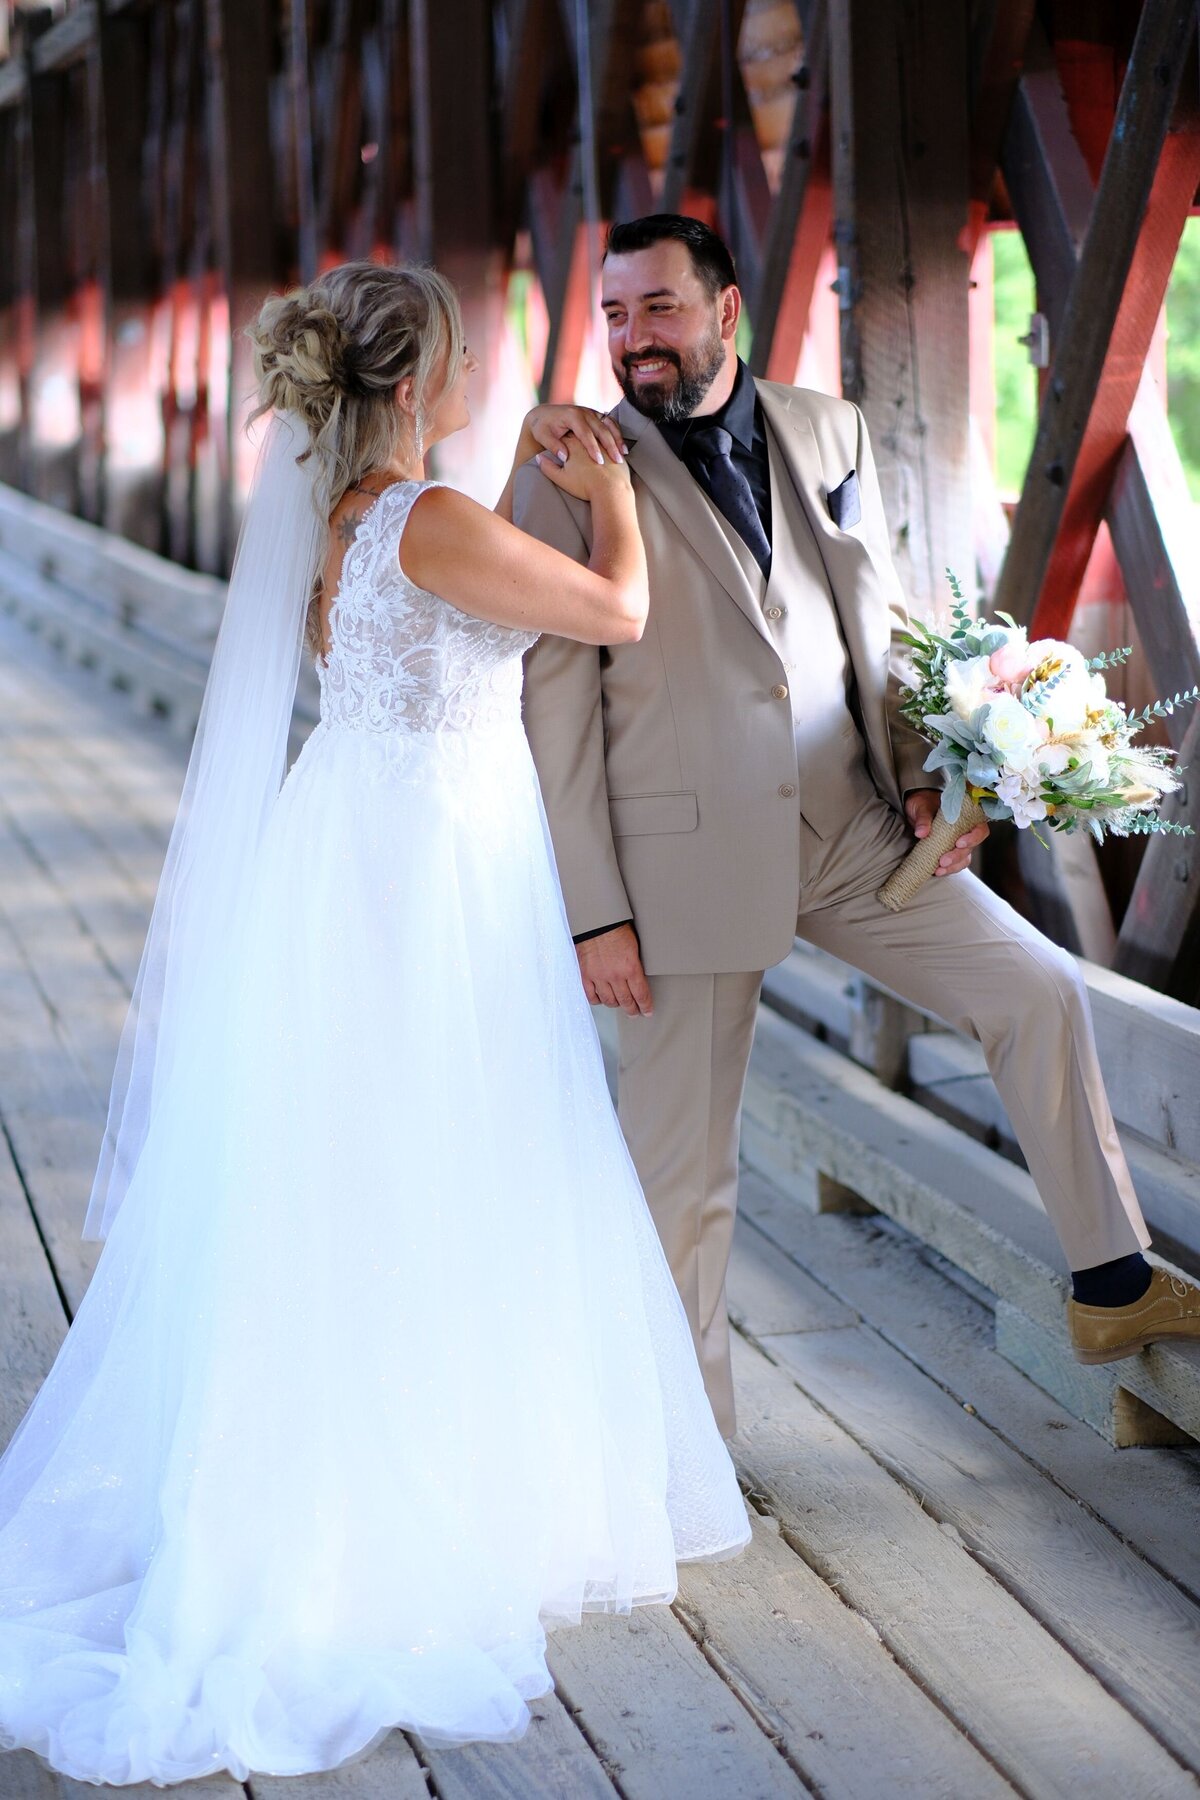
[[333, 353], [336, 351]]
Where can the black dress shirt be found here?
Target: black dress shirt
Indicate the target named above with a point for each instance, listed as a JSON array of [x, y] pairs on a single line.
[[742, 418]]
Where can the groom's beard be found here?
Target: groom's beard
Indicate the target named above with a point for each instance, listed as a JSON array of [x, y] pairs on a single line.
[[683, 384]]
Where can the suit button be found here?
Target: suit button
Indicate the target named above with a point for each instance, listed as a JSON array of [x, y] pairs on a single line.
[[787, 790], [774, 612], [779, 692]]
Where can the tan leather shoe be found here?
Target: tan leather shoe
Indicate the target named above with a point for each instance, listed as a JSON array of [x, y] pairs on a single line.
[[1170, 1308]]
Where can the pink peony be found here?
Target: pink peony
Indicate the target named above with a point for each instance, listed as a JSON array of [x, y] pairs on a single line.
[[1012, 662]]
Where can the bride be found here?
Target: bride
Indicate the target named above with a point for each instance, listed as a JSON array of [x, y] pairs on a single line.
[[382, 1371]]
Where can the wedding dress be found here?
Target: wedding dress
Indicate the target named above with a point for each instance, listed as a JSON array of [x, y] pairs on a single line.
[[382, 1371]]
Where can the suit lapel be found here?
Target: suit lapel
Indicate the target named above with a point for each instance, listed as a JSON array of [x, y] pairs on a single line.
[[794, 435], [847, 557], [683, 500], [858, 584]]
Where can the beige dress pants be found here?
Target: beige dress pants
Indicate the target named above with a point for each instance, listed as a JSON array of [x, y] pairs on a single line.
[[957, 950]]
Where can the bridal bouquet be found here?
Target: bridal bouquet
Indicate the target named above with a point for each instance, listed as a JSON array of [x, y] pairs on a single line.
[[1026, 731]]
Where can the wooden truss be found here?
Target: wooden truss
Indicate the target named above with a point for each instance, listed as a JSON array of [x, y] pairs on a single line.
[[163, 162]]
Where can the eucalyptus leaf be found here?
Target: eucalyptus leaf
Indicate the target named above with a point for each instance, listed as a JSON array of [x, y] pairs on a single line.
[[981, 770], [953, 796]]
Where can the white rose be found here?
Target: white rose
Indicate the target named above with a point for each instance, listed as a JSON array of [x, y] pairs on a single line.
[[966, 680], [1048, 655], [1054, 759], [1069, 705], [1012, 732]]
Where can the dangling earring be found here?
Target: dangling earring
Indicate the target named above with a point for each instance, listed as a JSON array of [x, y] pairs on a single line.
[[419, 435]]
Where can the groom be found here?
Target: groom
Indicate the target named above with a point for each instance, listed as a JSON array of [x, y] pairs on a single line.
[[743, 775]]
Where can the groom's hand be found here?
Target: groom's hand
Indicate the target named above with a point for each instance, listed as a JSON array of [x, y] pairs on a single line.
[[920, 809], [611, 968]]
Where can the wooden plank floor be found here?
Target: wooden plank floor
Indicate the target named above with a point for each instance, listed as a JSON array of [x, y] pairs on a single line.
[[954, 1588]]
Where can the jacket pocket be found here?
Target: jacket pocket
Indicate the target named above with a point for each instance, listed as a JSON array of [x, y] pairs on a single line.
[[641, 815]]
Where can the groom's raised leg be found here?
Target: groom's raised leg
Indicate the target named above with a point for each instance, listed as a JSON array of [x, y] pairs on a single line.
[[957, 949], [680, 1082]]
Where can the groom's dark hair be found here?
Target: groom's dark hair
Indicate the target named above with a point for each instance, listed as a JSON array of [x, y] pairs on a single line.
[[709, 253]]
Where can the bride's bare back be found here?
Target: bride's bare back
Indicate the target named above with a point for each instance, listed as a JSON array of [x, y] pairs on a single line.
[[484, 566]]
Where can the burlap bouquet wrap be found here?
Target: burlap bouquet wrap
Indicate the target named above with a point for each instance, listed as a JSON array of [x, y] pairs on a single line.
[[923, 858]]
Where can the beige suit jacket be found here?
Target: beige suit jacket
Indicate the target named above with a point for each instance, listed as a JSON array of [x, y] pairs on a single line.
[[668, 773]]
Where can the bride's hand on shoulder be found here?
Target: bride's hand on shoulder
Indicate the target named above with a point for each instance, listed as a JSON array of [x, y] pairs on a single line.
[[550, 427], [579, 476]]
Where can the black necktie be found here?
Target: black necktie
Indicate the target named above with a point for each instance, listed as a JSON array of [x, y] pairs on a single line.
[[707, 453]]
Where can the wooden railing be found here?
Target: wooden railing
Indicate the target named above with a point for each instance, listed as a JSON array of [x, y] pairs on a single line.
[[857, 1101], [145, 625]]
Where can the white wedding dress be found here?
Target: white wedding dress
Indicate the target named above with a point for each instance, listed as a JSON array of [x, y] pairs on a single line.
[[382, 1371]]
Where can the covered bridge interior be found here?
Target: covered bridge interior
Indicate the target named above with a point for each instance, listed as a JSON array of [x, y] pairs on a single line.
[[164, 162]]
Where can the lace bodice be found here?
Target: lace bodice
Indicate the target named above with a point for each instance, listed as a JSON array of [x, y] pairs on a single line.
[[402, 659]]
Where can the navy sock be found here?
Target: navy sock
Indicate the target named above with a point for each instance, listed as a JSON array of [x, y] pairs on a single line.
[[1117, 1283]]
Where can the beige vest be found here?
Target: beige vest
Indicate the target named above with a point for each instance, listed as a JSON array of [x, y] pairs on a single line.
[[799, 615]]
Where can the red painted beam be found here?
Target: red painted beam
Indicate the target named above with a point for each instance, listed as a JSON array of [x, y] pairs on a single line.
[[1091, 74], [1108, 421], [808, 247], [1103, 299]]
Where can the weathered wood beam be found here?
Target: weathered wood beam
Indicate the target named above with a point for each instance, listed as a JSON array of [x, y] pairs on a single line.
[[452, 143], [1159, 939], [999, 35], [239, 65], [10, 205], [565, 241], [801, 216], [1152, 519], [1146, 189], [341, 113], [563, 257], [182, 166], [93, 287], [898, 124], [25, 281], [632, 194], [388, 98], [124, 68], [67, 42], [744, 200], [1047, 181], [611, 47], [13, 81], [136, 57], [300, 120], [53, 464], [534, 32], [698, 137], [1091, 50], [48, 109]]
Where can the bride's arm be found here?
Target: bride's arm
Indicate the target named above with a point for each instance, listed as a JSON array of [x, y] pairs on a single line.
[[547, 428], [485, 566]]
